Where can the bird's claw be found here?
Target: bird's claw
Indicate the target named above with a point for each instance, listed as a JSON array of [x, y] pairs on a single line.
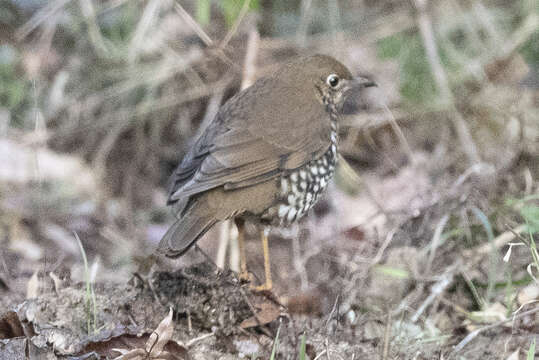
[[261, 288], [247, 277]]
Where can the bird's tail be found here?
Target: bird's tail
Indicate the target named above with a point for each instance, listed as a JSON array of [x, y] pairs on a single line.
[[185, 232]]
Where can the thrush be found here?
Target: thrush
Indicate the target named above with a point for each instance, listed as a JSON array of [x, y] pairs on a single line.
[[266, 157]]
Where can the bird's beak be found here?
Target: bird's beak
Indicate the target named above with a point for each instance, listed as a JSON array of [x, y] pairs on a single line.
[[361, 82], [355, 98]]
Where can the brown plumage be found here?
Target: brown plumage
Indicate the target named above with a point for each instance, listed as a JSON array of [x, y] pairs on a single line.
[[267, 154]]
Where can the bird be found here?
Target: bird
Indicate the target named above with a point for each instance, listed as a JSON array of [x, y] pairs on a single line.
[[266, 157]]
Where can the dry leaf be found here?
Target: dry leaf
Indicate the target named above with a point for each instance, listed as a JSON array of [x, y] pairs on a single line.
[[267, 313], [32, 288], [134, 354], [161, 336], [528, 294], [10, 326], [58, 283], [514, 355]]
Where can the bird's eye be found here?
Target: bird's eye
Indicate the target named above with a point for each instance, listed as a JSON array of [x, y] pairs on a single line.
[[332, 80]]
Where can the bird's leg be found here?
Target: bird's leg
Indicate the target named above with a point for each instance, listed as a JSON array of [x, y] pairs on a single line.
[[267, 266], [240, 224]]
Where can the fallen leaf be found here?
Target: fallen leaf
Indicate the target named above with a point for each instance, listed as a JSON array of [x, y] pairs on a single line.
[[10, 326], [266, 312], [160, 336], [32, 288], [514, 355], [528, 294]]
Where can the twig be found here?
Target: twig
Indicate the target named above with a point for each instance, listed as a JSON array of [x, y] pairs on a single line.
[[303, 27], [106, 146], [243, 11], [40, 17], [94, 32], [249, 71], [349, 174], [383, 248], [327, 349], [436, 241], [193, 24], [211, 111], [474, 333], [148, 15], [387, 335], [233, 232], [520, 35], [197, 339], [499, 241], [224, 237], [249, 68], [396, 128], [436, 290], [427, 34], [333, 310]]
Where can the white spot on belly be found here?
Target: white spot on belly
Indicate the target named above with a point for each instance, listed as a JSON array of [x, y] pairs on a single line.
[[323, 183], [291, 214], [283, 209], [284, 185], [291, 199]]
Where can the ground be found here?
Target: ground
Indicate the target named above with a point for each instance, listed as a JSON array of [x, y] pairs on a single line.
[[423, 247]]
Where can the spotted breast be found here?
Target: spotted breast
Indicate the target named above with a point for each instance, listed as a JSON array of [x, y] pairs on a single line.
[[300, 189]]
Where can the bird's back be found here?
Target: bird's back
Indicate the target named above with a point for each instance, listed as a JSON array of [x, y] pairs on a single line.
[[251, 139]]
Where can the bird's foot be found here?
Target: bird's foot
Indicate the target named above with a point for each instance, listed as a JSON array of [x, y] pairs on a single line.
[[261, 288], [245, 276]]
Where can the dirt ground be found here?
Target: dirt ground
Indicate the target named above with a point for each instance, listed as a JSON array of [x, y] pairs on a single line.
[[423, 247]]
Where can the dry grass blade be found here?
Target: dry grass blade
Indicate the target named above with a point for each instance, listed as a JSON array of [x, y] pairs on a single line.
[[32, 287], [161, 336], [440, 77], [193, 24], [436, 242], [387, 337], [149, 15], [396, 128], [436, 290], [248, 77], [96, 38], [40, 17], [243, 11], [474, 334], [249, 68]]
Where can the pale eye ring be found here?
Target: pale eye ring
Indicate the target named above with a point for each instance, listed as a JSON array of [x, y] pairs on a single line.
[[332, 80]]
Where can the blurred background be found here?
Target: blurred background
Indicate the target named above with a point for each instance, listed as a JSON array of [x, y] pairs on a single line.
[[99, 101]]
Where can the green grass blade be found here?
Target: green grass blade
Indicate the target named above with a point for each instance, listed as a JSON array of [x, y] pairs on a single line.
[[531, 351], [275, 344], [302, 348]]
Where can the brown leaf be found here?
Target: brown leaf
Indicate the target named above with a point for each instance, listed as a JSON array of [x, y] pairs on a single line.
[[308, 303], [161, 336], [134, 354], [32, 288], [10, 326], [267, 312]]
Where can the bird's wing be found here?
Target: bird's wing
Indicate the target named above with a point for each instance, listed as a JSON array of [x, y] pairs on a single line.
[[254, 138]]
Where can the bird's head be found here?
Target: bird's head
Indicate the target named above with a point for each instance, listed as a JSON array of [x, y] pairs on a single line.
[[326, 78]]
